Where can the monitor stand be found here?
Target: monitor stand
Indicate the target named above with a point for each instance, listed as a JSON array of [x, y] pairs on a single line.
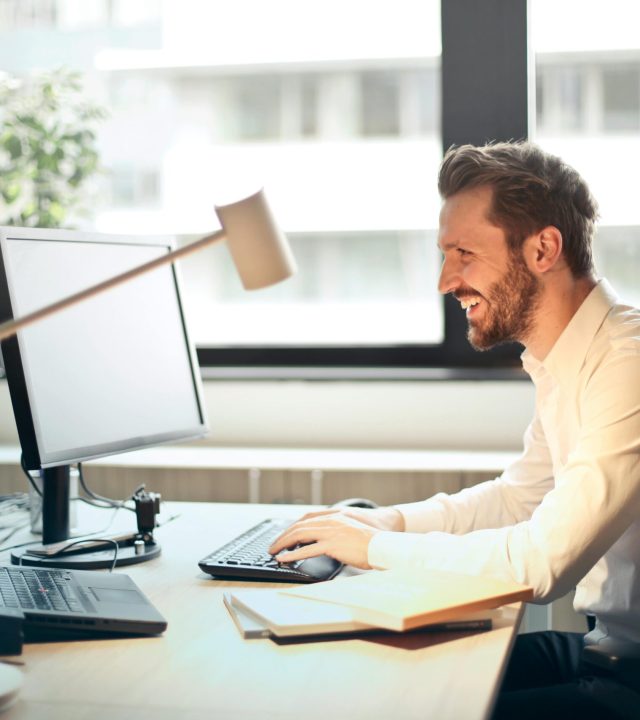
[[56, 529]]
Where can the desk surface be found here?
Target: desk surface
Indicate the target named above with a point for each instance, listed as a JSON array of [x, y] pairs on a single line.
[[201, 668]]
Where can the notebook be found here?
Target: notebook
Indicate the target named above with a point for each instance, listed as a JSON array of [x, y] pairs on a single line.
[[403, 599], [271, 613], [71, 602]]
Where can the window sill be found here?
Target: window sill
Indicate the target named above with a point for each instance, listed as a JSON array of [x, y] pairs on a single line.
[[369, 374]]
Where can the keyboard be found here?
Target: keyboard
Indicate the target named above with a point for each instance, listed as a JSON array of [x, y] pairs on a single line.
[[247, 557], [28, 589]]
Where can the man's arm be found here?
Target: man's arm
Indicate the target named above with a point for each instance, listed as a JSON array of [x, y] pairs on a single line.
[[507, 500], [503, 501], [595, 499]]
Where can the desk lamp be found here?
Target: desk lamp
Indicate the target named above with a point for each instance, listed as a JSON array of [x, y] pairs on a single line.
[[259, 250], [262, 258]]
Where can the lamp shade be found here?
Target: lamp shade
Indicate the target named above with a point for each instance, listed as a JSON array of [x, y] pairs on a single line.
[[259, 250], [258, 247]]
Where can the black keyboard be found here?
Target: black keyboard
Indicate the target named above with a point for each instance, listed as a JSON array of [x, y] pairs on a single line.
[[29, 589], [247, 557]]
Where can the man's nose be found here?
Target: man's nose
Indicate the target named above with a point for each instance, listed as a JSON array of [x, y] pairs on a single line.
[[449, 277]]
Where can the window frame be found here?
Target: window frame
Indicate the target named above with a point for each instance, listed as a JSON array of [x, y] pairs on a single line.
[[486, 96]]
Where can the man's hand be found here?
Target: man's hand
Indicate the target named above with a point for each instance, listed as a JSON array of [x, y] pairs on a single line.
[[342, 534]]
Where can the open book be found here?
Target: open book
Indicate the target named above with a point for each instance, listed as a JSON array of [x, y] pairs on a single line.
[[402, 600]]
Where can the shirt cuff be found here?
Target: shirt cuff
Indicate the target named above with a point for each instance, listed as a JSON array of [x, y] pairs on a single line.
[[426, 516], [390, 550]]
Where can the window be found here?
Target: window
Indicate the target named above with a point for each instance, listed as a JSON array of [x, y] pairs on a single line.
[[380, 93], [341, 122], [621, 98], [256, 105], [589, 113], [560, 95]]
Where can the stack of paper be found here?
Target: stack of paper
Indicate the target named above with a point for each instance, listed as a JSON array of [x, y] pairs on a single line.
[[390, 599]]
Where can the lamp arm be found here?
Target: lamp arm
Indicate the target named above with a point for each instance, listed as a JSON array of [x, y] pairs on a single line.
[[11, 327]]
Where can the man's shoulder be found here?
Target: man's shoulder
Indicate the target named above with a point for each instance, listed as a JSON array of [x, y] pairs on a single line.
[[616, 344], [621, 327]]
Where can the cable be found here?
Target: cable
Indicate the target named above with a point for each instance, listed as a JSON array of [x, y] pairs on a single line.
[[32, 482], [101, 500], [14, 502], [11, 533], [64, 549], [86, 536]]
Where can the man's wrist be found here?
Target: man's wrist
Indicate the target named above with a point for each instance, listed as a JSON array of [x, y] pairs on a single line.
[[393, 519]]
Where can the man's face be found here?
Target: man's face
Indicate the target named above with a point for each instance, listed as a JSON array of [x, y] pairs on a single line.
[[493, 284]]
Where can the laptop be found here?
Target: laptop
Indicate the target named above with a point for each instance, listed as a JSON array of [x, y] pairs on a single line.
[[58, 603]]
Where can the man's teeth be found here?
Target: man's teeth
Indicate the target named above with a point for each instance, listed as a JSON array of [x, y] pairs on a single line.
[[469, 302]]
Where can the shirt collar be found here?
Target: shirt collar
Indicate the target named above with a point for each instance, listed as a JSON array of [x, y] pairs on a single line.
[[566, 357]]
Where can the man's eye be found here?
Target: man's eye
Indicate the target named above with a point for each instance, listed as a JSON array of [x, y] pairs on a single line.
[[463, 252]]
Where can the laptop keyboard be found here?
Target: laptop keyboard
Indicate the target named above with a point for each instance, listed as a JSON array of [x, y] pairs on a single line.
[[247, 557], [39, 589]]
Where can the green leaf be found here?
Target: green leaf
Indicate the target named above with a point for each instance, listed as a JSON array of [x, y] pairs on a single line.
[[57, 212], [12, 144], [48, 146], [11, 193]]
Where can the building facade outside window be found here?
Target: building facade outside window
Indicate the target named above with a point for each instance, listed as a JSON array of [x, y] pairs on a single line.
[[340, 121]]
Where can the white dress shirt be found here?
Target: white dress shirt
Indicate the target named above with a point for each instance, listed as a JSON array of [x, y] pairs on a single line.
[[567, 512]]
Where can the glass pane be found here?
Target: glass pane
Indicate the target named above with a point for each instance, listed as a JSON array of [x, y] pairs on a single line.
[[588, 95], [380, 109], [621, 100], [338, 120]]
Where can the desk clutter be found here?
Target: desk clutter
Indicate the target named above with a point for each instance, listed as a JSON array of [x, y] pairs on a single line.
[[379, 600]]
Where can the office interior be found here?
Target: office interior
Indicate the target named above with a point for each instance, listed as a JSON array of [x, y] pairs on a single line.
[[357, 121]]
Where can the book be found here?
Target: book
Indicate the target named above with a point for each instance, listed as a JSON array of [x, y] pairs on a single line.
[[270, 613], [402, 599], [247, 626]]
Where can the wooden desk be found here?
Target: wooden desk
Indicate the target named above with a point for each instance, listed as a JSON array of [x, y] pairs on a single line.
[[201, 668]]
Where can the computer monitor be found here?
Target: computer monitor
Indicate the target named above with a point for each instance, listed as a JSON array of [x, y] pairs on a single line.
[[114, 373]]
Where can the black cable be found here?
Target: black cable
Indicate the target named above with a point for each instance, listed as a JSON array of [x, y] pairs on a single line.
[[105, 502], [86, 536], [32, 482], [64, 549]]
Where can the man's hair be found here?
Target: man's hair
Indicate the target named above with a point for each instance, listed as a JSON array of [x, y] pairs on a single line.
[[531, 189]]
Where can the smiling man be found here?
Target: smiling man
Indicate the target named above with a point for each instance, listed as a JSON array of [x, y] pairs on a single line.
[[516, 230]]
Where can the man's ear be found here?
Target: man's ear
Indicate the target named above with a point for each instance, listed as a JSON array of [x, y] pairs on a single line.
[[544, 250]]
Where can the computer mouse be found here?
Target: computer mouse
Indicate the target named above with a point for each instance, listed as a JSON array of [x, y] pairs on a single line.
[[10, 684], [355, 502]]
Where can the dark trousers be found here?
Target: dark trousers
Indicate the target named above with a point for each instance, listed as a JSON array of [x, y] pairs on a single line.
[[545, 679]]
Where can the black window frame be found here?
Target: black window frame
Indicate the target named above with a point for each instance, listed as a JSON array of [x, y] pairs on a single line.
[[485, 96]]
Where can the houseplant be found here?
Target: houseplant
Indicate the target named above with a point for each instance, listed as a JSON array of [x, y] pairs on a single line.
[[48, 148]]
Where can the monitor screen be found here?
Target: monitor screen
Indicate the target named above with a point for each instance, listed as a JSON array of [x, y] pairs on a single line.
[[113, 373]]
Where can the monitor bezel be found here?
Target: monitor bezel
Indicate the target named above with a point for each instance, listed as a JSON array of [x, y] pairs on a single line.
[[33, 457]]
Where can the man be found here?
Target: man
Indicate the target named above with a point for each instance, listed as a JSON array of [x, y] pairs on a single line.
[[516, 228]]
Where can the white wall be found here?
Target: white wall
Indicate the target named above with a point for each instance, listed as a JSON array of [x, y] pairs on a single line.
[[447, 415]]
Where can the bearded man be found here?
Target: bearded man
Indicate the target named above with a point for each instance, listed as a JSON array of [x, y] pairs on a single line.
[[516, 231]]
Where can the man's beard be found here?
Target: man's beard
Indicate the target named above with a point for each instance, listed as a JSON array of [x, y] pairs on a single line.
[[510, 310]]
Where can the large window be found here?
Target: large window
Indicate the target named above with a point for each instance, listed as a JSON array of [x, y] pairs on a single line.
[[588, 112], [333, 106], [341, 109]]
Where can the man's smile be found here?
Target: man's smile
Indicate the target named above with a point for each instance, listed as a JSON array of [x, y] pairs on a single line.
[[469, 301]]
